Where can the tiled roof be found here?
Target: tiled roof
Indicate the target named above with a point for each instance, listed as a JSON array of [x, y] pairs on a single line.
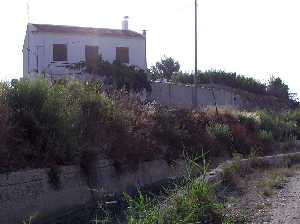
[[86, 30]]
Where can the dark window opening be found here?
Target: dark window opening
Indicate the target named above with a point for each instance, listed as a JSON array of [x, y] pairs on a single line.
[[122, 54], [60, 52], [91, 57]]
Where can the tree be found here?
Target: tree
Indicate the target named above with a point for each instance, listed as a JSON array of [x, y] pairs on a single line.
[[165, 69], [278, 88], [116, 74]]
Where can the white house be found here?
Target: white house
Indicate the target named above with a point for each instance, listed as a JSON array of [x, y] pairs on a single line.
[[50, 48]]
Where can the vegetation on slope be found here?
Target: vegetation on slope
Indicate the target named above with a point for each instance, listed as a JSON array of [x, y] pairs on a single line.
[[48, 124]]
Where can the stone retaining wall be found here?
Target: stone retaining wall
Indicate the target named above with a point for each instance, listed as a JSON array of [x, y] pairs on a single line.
[[29, 193]]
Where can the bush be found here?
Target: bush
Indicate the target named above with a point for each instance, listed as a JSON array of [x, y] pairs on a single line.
[[41, 117], [117, 74], [279, 125], [231, 173], [221, 132], [250, 120], [51, 123], [181, 130], [194, 203], [222, 78], [266, 136], [275, 87]]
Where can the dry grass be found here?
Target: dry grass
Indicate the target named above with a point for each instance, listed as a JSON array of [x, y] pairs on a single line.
[[275, 179], [255, 191]]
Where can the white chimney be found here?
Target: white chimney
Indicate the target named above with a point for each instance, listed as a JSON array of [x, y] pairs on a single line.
[[125, 23]]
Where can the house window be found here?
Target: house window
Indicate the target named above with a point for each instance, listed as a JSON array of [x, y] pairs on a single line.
[[122, 54], [91, 57], [60, 52]]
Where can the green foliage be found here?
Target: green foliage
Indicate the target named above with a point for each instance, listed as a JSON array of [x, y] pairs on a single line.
[[52, 123], [223, 78], [45, 124], [165, 69], [221, 132], [119, 75], [250, 120], [194, 202], [277, 88], [266, 136], [295, 116], [231, 172], [281, 127], [42, 119], [180, 130]]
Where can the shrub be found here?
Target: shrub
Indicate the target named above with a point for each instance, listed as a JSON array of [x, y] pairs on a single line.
[[181, 130], [194, 203], [117, 74], [41, 126], [279, 125], [275, 180], [266, 136], [277, 88], [223, 78], [223, 139], [52, 123], [232, 172], [250, 120], [46, 124], [221, 132]]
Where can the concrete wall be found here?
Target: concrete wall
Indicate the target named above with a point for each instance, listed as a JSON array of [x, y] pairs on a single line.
[[42, 44], [27, 193], [181, 95]]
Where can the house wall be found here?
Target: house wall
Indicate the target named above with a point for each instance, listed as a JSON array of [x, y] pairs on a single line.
[[28, 193], [25, 55], [76, 49]]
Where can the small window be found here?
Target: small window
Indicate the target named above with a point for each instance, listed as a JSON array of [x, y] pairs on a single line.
[[122, 54], [91, 56], [60, 52]]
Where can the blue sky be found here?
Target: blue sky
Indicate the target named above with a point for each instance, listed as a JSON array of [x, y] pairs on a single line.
[[257, 38]]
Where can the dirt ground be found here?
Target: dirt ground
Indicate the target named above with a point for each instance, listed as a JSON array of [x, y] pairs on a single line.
[[286, 207], [266, 196]]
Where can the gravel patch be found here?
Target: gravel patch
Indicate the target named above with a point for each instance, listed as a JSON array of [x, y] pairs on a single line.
[[286, 209]]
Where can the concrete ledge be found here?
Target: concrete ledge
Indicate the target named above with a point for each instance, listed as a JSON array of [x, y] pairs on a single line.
[[280, 160]]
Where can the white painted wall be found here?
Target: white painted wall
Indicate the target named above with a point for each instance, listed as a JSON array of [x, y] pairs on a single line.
[[76, 49]]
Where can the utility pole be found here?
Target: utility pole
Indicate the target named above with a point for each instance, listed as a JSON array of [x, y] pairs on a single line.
[[196, 54]]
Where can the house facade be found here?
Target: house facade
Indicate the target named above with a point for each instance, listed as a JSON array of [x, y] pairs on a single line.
[[50, 49]]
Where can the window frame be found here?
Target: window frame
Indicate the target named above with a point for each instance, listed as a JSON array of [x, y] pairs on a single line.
[[59, 58], [92, 63], [120, 57]]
